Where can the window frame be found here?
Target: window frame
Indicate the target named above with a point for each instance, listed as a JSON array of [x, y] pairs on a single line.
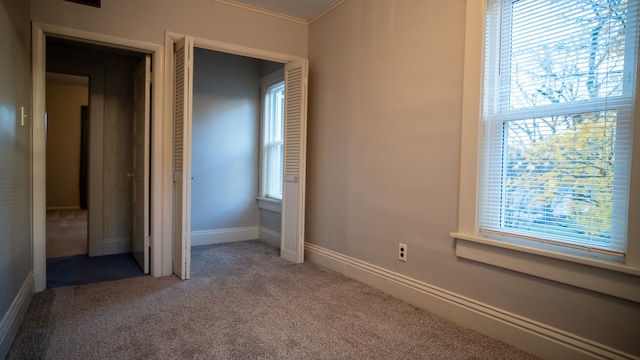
[[265, 202], [596, 272]]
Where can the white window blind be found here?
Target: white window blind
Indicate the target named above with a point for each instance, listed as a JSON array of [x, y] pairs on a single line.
[[559, 90], [273, 141]]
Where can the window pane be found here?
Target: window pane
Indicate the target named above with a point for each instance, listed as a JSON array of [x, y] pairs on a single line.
[[565, 51], [560, 78], [274, 172], [559, 175]]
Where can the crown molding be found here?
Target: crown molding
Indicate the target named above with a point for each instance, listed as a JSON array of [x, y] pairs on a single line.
[[295, 19]]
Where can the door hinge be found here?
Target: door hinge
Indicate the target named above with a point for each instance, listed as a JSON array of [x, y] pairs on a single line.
[[146, 241]]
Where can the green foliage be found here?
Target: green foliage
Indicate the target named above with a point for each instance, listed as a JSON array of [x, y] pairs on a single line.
[[563, 177]]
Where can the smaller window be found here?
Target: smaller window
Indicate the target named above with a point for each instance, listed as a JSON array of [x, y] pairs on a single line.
[[272, 136]]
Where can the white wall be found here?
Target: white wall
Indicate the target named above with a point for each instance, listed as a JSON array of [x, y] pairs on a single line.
[[225, 151], [64, 101], [15, 168], [385, 102]]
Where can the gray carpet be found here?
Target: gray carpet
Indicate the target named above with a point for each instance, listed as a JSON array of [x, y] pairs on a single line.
[[243, 302], [66, 232]]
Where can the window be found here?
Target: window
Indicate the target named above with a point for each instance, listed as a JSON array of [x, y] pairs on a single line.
[[547, 155], [272, 136], [557, 119]]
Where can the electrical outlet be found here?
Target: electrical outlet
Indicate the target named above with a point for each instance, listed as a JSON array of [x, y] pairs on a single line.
[[402, 252]]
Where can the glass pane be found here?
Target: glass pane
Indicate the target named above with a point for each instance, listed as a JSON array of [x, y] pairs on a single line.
[[564, 51], [558, 175], [274, 172]]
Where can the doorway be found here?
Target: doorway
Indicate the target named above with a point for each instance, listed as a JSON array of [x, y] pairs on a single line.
[[67, 116], [293, 144], [103, 189], [226, 151]]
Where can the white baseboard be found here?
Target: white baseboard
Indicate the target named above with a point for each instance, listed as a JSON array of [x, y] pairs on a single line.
[[70, 207], [531, 336], [13, 318], [114, 246], [219, 236], [269, 236]]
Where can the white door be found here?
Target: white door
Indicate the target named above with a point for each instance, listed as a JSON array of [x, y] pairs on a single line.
[[141, 118], [182, 157], [295, 139]]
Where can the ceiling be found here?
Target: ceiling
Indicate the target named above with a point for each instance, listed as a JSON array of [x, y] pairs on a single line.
[[303, 10]]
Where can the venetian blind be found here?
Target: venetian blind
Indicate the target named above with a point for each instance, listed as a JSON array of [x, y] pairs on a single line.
[[560, 80]]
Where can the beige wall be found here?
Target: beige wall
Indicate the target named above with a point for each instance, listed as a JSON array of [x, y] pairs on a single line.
[[147, 20], [63, 143], [383, 153]]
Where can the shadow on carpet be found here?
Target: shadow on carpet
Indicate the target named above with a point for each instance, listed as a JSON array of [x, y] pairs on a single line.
[[82, 269]]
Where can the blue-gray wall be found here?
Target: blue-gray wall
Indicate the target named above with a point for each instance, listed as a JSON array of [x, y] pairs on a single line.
[[15, 149], [225, 155]]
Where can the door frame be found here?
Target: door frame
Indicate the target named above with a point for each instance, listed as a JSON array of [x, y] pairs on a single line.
[[170, 39], [160, 174]]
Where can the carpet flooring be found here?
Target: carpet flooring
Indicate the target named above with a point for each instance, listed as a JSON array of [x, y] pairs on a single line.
[[66, 232], [242, 302], [81, 269]]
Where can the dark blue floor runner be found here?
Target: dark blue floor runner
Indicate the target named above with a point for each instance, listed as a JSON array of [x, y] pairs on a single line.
[[81, 269]]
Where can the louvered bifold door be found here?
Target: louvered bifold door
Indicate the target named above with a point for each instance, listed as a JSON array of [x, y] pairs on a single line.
[[295, 137], [181, 159]]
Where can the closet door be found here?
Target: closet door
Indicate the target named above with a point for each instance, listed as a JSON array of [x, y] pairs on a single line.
[[295, 139], [182, 157]]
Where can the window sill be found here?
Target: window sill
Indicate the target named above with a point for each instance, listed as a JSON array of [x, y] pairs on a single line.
[[270, 204], [605, 277]]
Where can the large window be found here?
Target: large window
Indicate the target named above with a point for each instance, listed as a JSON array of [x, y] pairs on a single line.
[[548, 170], [272, 137], [559, 93]]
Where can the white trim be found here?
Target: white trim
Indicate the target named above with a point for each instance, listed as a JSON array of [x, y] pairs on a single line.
[[220, 236], [38, 154], [116, 245], [280, 15], [269, 236], [262, 11], [270, 205], [534, 337], [13, 317], [594, 275], [472, 83], [326, 11]]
